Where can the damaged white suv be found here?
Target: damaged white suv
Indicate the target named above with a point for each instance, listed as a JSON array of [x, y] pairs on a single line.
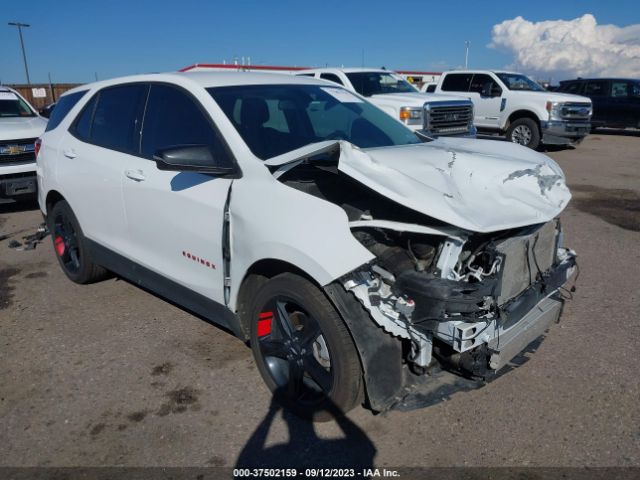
[[363, 265]]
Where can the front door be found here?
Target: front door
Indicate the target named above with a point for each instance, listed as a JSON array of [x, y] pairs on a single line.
[[175, 219], [486, 95]]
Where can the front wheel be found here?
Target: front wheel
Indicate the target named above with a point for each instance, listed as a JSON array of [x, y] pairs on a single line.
[[303, 349], [525, 132]]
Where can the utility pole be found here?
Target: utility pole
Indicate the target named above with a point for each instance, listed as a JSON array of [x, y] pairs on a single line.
[[24, 55], [467, 43]]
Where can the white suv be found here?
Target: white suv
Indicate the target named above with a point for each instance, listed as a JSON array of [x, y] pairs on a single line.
[[360, 263], [20, 127]]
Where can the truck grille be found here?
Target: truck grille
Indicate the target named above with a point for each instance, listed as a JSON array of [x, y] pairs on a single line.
[[448, 118], [576, 111], [17, 151]]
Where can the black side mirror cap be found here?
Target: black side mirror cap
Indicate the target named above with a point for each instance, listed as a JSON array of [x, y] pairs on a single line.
[[194, 158]]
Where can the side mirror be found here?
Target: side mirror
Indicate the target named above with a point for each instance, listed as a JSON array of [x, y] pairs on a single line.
[[195, 158]]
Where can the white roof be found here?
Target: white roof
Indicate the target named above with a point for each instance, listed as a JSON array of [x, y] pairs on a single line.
[[482, 71], [344, 70], [206, 79]]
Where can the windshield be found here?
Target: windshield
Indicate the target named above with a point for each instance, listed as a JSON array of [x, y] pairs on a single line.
[[276, 119], [375, 83], [516, 81], [13, 106]]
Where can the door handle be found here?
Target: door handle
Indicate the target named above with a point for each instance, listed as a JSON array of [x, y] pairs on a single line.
[[70, 153], [136, 175]]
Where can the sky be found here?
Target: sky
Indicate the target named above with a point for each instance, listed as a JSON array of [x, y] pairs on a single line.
[[80, 40]]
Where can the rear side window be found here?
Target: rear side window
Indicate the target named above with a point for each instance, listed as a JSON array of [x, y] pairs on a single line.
[[331, 77], [573, 87], [596, 89], [457, 82], [117, 117], [172, 118], [619, 89], [64, 104]]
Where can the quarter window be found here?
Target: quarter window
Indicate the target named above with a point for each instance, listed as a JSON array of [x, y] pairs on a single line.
[[332, 77], [64, 104], [117, 115], [82, 127], [172, 119], [457, 82]]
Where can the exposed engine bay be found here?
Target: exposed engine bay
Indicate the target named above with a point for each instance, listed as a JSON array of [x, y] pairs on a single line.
[[465, 301]]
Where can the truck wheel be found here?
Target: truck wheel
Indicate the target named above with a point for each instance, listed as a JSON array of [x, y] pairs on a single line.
[[303, 349], [70, 246], [524, 131]]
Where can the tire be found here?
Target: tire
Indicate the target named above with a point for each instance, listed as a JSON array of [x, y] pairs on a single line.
[[303, 349], [70, 246], [525, 132]]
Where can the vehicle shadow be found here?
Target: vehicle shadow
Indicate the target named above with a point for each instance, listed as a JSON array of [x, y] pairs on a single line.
[[13, 206], [616, 131], [305, 449]]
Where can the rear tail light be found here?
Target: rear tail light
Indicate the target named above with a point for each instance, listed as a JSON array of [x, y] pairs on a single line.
[[36, 146]]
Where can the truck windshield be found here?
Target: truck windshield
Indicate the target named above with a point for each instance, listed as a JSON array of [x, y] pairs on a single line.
[[516, 81], [375, 83], [276, 119], [13, 106]]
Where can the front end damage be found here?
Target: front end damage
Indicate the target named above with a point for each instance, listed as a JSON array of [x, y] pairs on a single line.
[[450, 298], [471, 304]]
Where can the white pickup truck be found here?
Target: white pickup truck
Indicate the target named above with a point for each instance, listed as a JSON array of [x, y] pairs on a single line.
[[20, 126], [433, 115], [513, 105]]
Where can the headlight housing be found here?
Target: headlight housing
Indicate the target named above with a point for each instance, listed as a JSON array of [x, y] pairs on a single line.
[[411, 115], [555, 110]]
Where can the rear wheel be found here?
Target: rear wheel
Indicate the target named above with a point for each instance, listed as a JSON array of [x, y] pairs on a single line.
[[70, 246], [525, 132], [303, 349]]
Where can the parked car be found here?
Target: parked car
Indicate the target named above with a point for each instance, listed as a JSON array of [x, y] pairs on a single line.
[[616, 101], [357, 260], [513, 105], [20, 126], [434, 115], [47, 109]]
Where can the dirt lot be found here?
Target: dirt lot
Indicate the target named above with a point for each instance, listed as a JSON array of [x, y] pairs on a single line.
[[108, 374]]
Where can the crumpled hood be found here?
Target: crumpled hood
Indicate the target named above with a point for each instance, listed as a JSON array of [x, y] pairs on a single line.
[[16, 128], [477, 185]]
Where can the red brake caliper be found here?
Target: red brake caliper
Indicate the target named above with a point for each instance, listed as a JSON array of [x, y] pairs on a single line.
[[59, 245], [264, 323]]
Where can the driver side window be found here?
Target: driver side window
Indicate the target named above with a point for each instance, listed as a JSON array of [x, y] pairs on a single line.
[[172, 118]]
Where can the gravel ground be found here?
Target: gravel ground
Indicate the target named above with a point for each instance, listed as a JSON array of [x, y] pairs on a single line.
[[108, 374]]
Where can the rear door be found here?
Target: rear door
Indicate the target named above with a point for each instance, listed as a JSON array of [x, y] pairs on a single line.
[[93, 154], [175, 219], [598, 92]]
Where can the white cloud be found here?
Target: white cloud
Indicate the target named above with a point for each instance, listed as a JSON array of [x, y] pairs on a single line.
[[570, 48]]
